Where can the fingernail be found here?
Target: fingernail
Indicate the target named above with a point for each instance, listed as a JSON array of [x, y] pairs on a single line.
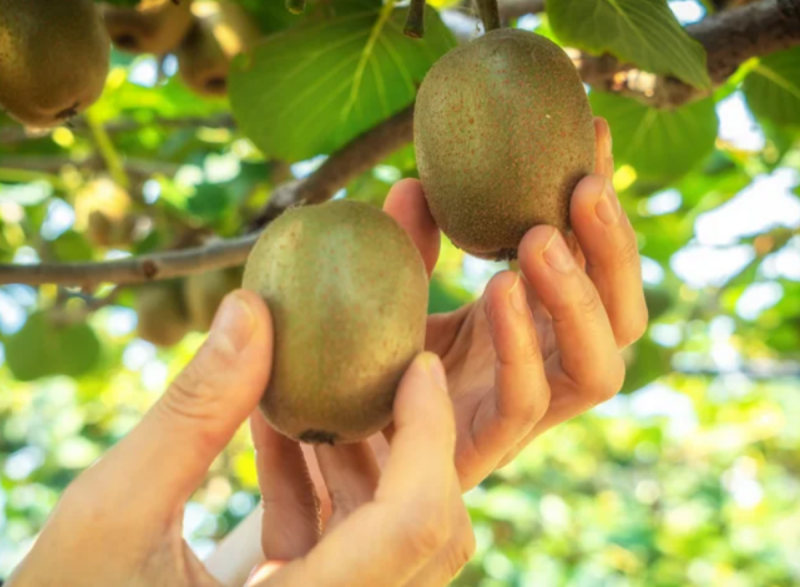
[[607, 207], [517, 297], [435, 370], [557, 254], [234, 322]]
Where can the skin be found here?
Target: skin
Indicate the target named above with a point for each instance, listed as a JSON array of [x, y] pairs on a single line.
[[120, 522], [514, 374]]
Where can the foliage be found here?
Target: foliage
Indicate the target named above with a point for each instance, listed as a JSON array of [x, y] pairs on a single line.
[[688, 478]]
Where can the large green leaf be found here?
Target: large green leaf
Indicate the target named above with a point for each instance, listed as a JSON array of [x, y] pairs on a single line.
[[44, 347], [644, 32], [308, 91], [659, 144], [773, 88]]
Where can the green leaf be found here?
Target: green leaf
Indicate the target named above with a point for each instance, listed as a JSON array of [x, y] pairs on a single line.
[[44, 347], [644, 32], [312, 89], [772, 90], [659, 144], [72, 246]]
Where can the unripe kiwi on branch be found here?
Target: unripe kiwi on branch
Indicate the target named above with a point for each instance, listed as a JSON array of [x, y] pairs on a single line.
[[204, 292], [154, 26], [348, 294], [54, 59], [219, 32], [503, 133], [163, 319]]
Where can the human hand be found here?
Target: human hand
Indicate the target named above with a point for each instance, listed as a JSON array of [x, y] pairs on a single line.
[[120, 522], [400, 524], [543, 346]]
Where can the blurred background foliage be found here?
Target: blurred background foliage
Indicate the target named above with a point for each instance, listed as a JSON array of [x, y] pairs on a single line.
[[690, 477]]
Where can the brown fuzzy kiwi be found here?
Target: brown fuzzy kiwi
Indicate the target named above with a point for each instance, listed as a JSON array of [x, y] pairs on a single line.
[[204, 292], [503, 133], [154, 26], [217, 35], [348, 294], [163, 319], [54, 58]]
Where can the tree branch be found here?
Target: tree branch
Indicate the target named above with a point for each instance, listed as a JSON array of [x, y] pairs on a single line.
[[18, 134], [729, 37], [361, 155], [358, 156]]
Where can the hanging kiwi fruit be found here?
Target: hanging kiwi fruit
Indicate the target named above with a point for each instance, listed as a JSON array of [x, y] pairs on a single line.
[[154, 26], [163, 319], [219, 33], [54, 58]]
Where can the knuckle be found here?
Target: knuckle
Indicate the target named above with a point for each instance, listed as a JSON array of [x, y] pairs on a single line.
[[423, 534], [611, 383], [628, 255], [191, 394], [589, 302]]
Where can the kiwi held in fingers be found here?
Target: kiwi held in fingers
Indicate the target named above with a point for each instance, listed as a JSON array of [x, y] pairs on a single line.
[[348, 294], [503, 133]]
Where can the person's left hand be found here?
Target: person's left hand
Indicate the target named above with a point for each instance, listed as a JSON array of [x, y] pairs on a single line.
[[543, 345]]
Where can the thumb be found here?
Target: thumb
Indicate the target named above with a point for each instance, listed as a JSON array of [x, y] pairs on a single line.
[[178, 439]]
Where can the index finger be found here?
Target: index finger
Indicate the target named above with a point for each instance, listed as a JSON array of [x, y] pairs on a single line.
[[388, 541]]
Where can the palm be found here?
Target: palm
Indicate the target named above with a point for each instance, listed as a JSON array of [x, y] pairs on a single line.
[[541, 345]]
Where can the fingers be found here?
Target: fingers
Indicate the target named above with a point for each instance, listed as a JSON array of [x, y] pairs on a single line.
[[389, 540], [290, 522], [455, 554], [588, 362], [604, 161], [521, 394], [407, 205], [176, 442], [609, 245], [351, 475]]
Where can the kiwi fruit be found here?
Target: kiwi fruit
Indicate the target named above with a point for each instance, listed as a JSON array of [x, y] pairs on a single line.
[[348, 294], [503, 133], [163, 319], [219, 33], [154, 26], [204, 292], [54, 58]]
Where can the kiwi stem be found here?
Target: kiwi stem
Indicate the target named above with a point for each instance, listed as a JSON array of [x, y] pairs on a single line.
[[415, 21], [296, 6], [490, 14]]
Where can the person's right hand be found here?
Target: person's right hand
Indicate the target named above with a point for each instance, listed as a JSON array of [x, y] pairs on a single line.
[[400, 526]]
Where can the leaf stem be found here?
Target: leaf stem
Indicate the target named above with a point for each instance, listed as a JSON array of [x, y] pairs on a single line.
[[415, 21], [110, 155]]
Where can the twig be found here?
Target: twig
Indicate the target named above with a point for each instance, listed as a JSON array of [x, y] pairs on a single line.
[[415, 20], [490, 14], [18, 134], [730, 38], [361, 155], [350, 161], [158, 266]]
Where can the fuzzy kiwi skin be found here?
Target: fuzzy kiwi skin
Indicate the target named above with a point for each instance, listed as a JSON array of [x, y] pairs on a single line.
[[54, 59], [163, 319], [155, 26], [203, 293], [503, 133], [214, 39], [348, 294]]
